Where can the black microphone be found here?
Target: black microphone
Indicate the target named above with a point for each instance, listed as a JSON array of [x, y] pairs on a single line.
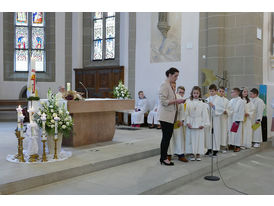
[[85, 89]]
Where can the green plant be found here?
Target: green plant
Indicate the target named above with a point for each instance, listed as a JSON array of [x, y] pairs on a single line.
[[52, 109]]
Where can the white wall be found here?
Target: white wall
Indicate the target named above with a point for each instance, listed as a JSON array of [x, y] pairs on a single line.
[[150, 75], [11, 89]]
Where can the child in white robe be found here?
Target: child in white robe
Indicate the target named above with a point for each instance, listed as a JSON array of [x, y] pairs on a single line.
[[196, 120], [224, 120], [247, 124], [152, 118], [137, 117], [177, 142], [259, 109], [236, 117], [188, 146], [216, 110]]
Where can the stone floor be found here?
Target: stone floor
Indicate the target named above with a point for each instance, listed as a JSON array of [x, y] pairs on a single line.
[[144, 176], [125, 142], [253, 175]]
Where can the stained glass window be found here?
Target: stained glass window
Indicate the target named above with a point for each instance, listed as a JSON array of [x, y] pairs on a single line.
[[29, 39], [38, 56], [22, 38], [22, 18], [98, 50], [37, 19], [110, 48], [37, 38], [98, 29], [98, 15], [110, 27], [111, 14], [103, 36], [21, 60]]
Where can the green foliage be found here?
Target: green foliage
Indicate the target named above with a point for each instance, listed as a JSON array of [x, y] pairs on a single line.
[[121, 91], [52, 109]]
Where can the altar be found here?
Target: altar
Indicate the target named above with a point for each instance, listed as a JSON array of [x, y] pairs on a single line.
[[94, 120]]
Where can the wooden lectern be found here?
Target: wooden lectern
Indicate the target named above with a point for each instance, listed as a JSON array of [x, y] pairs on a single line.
[[94, 120]]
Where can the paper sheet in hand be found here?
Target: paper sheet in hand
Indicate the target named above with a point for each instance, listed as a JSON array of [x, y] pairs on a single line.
[[177, 124], [256, 126]]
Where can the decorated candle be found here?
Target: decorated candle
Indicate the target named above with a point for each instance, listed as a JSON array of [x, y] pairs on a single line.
[[68, 86], [19, 112], [56, 119], [32, 63], [44, 118], [21, 124]]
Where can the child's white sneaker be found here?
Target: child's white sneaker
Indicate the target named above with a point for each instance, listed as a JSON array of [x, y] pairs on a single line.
[[256, 145], [192, 158]]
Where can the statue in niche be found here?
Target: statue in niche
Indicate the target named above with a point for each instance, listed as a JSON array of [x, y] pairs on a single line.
[[163, 23], [165, 37]]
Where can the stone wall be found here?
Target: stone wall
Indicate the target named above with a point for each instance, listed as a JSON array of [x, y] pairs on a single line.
[[228, 43]]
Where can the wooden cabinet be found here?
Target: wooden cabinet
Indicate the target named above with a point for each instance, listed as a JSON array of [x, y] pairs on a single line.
[[99, 81]]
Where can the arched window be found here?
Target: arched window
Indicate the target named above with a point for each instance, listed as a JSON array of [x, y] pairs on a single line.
[[103, 34], [29, 41]]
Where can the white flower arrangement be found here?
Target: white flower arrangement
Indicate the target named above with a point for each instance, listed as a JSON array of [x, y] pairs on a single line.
[[52, 110], [121, 91]]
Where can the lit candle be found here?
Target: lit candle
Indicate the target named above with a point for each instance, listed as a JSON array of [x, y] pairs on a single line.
[[68, 86], [56, 119]]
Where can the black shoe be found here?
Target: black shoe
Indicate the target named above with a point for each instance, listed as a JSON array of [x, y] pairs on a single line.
[[167, 164], [208, 152], [215, 153]]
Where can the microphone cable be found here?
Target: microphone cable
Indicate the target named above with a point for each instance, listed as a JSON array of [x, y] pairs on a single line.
[[217, 165]]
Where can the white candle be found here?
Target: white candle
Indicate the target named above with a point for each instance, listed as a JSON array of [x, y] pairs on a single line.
[[56, 119], [44, 118], [21, 124], [33, 64], [19, 112], [68, 86]]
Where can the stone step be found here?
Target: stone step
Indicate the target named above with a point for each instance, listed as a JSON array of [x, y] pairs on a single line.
[[145, 176], [19, 177]]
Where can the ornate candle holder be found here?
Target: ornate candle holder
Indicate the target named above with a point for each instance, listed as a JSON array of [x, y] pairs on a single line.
[[20, 155], [56, 119], [55, 149], [44, 156], [17, 133], [34, 158]]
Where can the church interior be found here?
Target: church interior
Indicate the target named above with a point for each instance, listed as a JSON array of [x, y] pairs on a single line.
[[88, 71]]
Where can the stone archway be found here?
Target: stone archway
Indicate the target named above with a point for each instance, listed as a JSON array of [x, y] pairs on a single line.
[[23, 93]]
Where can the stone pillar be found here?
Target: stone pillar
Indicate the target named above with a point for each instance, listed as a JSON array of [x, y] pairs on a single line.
[[77, 43]]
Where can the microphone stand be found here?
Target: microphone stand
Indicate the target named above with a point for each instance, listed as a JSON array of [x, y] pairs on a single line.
[[211, 177], [85, 89]]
